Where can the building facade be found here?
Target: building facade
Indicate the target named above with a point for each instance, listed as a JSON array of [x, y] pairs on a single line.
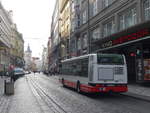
[[11, 42], [108, 26], [45, 60], [5, 39], [36, 64], [17, 48], [65, 26], [117, 26], [54, 40]]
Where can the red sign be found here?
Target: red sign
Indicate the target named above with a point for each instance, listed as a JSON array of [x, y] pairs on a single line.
[[132, 36], [127, 38]]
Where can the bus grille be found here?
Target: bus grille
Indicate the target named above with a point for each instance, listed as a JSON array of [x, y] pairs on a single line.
[[118, 70]]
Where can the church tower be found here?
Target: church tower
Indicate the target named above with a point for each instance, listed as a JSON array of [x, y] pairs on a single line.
[[28, 58]]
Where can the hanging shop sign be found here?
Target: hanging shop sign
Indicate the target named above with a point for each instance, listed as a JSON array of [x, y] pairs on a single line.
[[133, 36]]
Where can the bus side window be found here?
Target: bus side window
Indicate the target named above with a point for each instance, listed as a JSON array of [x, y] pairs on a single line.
[[73, 68], [85, 67], [78, 69]]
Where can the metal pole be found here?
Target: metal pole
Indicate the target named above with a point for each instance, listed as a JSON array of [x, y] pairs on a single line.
[[89, 39]]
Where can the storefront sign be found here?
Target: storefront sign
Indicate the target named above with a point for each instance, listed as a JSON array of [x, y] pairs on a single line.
[[127, 38], [107, 44]]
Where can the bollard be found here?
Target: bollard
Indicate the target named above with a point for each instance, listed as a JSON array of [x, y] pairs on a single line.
[[5, 86]]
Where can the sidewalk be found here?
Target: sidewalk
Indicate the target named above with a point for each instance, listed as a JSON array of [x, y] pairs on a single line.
[[23, 101], [138, 91]]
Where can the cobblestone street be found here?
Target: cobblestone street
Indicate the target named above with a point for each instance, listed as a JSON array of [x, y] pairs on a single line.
[[41, 94]]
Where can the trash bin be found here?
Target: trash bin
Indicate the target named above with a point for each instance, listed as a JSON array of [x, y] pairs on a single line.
[[9, 87]]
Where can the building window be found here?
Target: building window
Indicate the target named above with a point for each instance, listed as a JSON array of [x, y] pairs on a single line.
[[85, 41], [73, 25], [95, 34], [127, 19], [108, 28], [72, 6], [79, 44], [84, 17], [95, 7], [146, 5], [106, 3], [73, 46]]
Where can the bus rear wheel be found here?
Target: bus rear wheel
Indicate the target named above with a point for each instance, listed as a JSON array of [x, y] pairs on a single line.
[[78, 87], [63, 82]]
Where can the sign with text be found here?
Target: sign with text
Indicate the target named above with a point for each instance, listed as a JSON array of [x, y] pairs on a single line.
[[133, 36]]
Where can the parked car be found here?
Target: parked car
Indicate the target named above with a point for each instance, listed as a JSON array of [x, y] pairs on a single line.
[[16, 73], [19, 72]]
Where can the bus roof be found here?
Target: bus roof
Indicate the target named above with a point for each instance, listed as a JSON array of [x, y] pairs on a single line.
[[79, 57], [85, 56]]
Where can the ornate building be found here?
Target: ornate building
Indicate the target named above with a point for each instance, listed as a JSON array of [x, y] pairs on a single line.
[[28, 58]]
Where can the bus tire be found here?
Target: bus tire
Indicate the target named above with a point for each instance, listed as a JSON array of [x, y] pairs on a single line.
[[78, 87], [62, 80]]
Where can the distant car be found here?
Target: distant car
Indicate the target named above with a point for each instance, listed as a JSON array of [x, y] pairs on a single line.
[[27, 72]]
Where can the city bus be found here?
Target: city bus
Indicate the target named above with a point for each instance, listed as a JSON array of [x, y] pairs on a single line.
[[94, 73]]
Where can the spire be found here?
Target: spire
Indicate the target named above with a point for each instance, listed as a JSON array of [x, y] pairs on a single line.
[[28, 49]]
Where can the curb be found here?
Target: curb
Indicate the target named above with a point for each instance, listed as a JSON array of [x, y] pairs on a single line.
[[136, 96]]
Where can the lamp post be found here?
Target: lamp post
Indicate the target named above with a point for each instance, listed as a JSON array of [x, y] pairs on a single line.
[[89, 39]]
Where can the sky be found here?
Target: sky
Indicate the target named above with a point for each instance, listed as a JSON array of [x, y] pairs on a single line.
[[33, 19]]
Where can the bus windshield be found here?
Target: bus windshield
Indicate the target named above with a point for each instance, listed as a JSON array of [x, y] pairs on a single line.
[[110, 59]]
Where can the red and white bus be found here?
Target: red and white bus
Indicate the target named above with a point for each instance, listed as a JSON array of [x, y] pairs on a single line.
[[94, 73]]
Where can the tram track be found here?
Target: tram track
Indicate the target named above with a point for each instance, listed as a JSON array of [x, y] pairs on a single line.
[[39, 92], [73, 102], [127, 95]]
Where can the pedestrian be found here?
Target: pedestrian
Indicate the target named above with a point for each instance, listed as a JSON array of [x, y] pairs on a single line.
[[7, 74], [12, 76]]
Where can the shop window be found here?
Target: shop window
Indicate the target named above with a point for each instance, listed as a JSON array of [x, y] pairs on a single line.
[[146, 5], [127, 19]]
